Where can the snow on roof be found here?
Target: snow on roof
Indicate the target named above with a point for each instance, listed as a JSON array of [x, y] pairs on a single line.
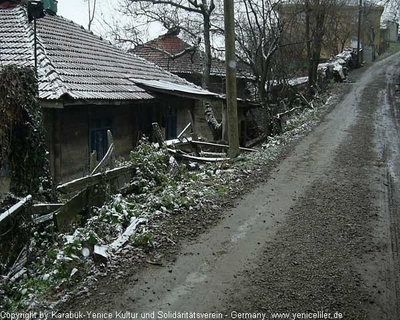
[[167, 86], [73, 61], [159, 50]]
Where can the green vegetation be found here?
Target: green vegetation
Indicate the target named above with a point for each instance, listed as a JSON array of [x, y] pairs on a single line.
[[22, 140]]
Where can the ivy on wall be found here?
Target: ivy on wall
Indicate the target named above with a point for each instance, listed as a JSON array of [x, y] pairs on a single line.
[[22, 139]]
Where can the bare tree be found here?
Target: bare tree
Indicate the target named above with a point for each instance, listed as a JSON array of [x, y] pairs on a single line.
[[171, 13], [258, 32], [342, 27], [91, 12], [193, 17], [309, 20]]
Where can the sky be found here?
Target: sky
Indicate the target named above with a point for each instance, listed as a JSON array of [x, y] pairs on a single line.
[[77, 11], [73, 10]]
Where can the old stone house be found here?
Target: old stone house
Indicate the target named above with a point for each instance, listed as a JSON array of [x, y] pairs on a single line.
[[88, 86]]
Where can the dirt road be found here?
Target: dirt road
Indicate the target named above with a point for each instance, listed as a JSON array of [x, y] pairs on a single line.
[[319, 239]]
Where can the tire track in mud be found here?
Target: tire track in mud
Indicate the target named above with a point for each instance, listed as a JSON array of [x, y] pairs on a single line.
[[338, 250], [387, 144]]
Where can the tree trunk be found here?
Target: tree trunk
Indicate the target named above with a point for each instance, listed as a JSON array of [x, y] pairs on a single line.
[[231, 89], [264, 100], [207, 44], [215, 127], [316, 50]]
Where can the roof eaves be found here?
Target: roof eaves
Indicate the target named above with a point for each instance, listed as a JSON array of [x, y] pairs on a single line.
[[189, 90]]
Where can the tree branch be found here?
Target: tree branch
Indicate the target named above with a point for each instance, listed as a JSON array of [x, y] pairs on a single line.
[[173, 4]]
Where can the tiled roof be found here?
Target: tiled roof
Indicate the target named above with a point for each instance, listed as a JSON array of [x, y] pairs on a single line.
[[73, 61], [15, 44], [189, 63]]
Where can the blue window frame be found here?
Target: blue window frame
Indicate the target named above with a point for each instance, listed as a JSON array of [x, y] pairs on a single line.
[[98, 135]]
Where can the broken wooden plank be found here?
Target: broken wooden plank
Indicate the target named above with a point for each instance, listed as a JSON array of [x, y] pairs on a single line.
[[44, 208], [212, 154], [92, 161], [178, 142], [105, 161], [184, 130], [18, 275], [100, 253], [19, 264], [67, 213], [110, 140], [130, 231], [81, 183], [16, 208], [224, 146], [306, 101], [44, 218], [186, 156]]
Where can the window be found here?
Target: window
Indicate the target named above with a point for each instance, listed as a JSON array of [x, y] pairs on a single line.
[[98, 136], [171, 121]]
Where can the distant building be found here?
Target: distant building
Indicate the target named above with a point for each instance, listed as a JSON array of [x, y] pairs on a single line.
[[341, 27], [173, 54], [392, 30]]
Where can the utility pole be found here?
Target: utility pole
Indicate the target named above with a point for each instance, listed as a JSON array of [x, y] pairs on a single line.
[[231, 89], [359, 34]]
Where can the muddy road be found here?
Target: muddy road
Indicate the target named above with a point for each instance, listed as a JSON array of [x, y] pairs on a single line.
[[319, 239]]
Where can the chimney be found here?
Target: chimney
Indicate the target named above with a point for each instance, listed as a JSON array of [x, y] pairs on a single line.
[[50, 6], [37, 8]]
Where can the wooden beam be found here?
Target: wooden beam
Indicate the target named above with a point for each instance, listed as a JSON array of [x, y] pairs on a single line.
[[45, 208], [44, 218], [15, 209], [184, 130], [106, 160], [82, 183], [52, 104], [180, 154], [224, 146], [67, 213], [93, 161]]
